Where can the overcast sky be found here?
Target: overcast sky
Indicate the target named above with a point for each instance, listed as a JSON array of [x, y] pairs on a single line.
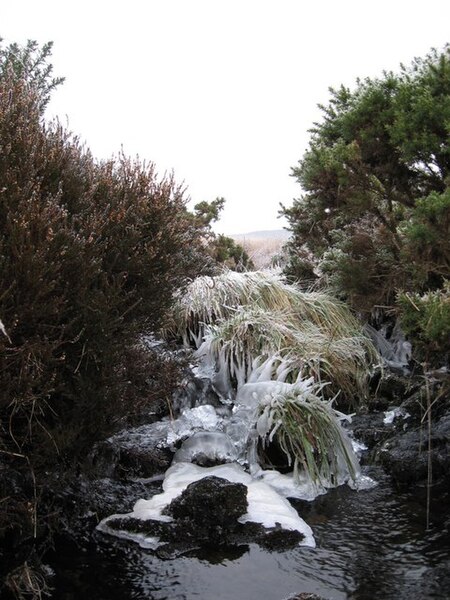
[[222, 92]]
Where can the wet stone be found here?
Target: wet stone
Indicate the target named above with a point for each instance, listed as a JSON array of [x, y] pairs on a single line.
[[405, 456], [205, 515], [280, 539], [119, 458], [392, 387], [369, 428], [210, 502]]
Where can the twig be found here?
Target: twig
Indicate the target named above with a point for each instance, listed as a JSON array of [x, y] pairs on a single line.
[[13, 454], [429, 461]]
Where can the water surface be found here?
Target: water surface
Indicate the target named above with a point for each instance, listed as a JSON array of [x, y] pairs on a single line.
[[371, 545]]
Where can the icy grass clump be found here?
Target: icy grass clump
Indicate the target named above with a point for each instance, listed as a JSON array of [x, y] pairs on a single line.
[[208, 299], [302, 347], [265, 505], [306, 428], [237, 317], [270, 348]]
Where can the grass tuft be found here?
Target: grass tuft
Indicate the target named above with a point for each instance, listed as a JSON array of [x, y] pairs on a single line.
[[309, 432], [239, 317]]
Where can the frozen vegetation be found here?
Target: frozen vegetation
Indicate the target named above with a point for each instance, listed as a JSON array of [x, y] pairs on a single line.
[[268, 375]]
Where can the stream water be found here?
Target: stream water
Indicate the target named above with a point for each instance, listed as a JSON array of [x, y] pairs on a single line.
[[368, 543]]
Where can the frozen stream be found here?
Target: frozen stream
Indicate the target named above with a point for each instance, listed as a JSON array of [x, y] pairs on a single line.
[[226, 437], [369, 544], [354, 536]]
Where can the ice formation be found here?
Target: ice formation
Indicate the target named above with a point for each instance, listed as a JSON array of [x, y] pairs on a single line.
[[265, 505], [209, 437], [395, 350], [395, 413]]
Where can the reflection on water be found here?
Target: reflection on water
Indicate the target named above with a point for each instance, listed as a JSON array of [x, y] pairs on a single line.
[[371, 545]]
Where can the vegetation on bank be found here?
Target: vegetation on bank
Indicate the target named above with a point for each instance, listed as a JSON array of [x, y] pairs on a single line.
[[255, 327], [90, 255], [224, 250], [241, 317], [308, 432], [373, 222]]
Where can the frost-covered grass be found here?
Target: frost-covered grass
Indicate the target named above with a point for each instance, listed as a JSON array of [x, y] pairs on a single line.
[[241, 317], [308, 431], [299, 346], [262, 334], [208, 299]]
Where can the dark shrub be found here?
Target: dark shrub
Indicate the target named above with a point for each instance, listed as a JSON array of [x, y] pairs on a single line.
[[90, 254]]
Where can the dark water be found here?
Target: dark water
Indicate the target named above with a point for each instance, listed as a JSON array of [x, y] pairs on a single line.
[[371, 545]]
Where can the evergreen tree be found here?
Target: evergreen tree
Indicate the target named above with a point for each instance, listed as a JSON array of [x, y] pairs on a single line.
[[375, 211]]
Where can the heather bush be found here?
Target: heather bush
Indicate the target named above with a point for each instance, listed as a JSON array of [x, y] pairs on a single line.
[[90, 253]]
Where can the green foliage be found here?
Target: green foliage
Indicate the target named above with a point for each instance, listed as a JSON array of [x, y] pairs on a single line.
[[359, 261], [224, 250], [208, 212], [30, 64], [427, 238], [229, 253], [374, 215], [426, 318]]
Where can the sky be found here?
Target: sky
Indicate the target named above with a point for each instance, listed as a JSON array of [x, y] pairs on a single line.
[[221, 92]]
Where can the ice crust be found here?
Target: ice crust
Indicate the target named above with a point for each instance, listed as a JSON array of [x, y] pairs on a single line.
[[232, 439], [214, 445], [265, 505], [395, 413]]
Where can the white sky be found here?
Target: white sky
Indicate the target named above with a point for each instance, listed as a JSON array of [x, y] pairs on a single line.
[[221, 91]]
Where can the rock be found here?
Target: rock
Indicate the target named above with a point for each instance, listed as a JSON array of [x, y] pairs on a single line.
[[206, 515], [416, 403], [142, 463], [280, 539], [119, 457], [370, 429], [210, 503], [392, 388], [405, 456]]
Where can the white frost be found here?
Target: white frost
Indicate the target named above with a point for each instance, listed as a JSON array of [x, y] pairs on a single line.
[[265, 505]]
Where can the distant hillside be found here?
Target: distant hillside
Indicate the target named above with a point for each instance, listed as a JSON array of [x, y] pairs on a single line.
[[263, 247], [272, 234]]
